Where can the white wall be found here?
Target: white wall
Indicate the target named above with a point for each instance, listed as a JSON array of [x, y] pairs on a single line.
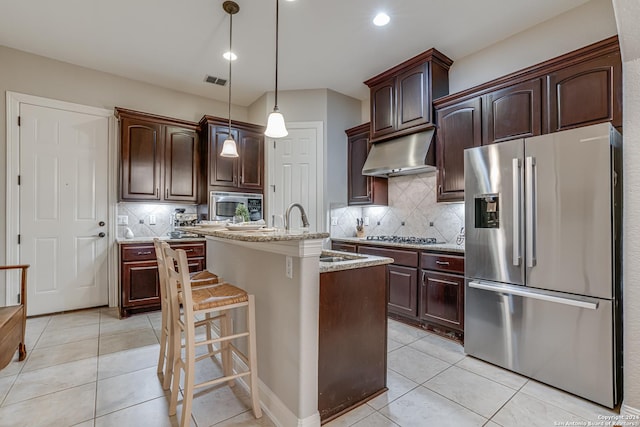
[[586, 24], [35, 75], [627, 17]]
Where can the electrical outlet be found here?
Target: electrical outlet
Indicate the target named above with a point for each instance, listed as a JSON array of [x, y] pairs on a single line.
[[430, 223], [366, 221], [402, 223], [289, 267], [123, 220], [141, 221], [152, 220], [334, 220]]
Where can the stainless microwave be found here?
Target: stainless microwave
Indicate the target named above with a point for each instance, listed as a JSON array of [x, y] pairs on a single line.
[[222, 205]]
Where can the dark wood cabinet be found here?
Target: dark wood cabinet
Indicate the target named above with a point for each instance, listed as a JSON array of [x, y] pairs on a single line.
[[586, 93], [352, 339], [344, 247], [362, 189], [139, 281], [245, 173], [459, 127], [442, 290], [401, 96], [579, 88], [402, 279], [159, 158], [513, 112]]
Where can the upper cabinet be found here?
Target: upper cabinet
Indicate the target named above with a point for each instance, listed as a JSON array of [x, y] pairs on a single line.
[[401, 97], [577, 89], [245, 173], [159, 158], [362, 189]]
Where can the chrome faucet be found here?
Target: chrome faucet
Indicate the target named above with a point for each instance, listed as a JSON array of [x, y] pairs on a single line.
[[287, 216]]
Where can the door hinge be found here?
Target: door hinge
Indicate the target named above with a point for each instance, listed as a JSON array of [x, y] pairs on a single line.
[[18, 179], [18, 298], [18, 120], [18, 239], [274, 145]]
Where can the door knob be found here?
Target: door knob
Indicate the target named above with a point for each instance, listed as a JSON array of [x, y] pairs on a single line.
[[101, 223], [101, 234]]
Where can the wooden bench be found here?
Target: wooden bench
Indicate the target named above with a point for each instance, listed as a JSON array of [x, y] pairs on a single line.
[[13, 321]]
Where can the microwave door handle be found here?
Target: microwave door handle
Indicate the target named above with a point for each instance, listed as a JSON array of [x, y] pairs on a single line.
[[531, 178], [517, 190]]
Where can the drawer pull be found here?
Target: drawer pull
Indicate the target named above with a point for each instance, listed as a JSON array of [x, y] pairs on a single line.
[[188, 250], [144, 253], [442, 262]]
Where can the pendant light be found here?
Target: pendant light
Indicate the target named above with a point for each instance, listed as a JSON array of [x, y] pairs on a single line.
[[275, 121], [229, 148]]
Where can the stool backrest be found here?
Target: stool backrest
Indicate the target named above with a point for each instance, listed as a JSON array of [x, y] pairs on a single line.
[[177, 269]]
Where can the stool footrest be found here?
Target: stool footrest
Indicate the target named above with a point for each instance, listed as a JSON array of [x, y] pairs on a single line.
[[222, 379]]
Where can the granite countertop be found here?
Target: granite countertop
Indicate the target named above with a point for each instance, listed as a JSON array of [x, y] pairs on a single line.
[[439, 247], [351, 261], [124, 241], [262, 235]]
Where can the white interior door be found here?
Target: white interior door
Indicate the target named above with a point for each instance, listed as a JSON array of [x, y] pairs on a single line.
[[63, 208], [296, 173]]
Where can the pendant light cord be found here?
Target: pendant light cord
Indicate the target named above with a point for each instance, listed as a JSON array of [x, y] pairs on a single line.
[[277, 26], [230, 60]]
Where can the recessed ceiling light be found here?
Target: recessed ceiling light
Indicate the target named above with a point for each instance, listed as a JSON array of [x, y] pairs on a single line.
[[228, 55], [381, 19]]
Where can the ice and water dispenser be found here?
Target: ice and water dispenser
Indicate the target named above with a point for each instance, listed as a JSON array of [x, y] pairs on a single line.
[[487, 211]]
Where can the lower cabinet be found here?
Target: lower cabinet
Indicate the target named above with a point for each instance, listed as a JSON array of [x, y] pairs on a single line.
[[442, 290], [139, 281], [425, 288]]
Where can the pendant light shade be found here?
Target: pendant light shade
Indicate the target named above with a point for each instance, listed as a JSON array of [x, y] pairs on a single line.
[[229, 146], [275, 122]]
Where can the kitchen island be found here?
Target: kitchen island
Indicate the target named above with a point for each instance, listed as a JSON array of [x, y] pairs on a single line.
[[283, 271]]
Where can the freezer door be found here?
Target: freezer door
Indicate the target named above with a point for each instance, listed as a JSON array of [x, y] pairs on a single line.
[[494, 238], [569, 211], [517, 327]]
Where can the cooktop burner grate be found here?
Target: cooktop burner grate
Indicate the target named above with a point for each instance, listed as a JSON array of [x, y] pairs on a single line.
[[405, 239]]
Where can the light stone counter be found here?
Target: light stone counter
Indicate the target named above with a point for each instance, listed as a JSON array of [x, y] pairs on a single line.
[[351, 261], [438, 247], [262, 235], [122, 240]]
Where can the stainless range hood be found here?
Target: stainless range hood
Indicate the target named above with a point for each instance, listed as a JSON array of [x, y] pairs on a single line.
[[402, 156]]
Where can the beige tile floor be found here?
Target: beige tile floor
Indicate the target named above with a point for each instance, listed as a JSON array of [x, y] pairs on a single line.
[[89, 368]]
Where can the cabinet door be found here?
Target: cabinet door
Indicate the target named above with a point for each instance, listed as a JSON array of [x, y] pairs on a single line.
[[414, 105], [222, 170], [383, 108], [403, 292], [361, 189], [140, 283], [140, 159], [180, 164], [513, 112], [251, 161], [459, 127], [442, 299], [586, 93]]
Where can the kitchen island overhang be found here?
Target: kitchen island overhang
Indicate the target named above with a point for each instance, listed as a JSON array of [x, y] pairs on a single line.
[[282, 270]]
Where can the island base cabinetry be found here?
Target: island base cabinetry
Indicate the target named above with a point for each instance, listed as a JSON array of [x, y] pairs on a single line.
[[352, 359]]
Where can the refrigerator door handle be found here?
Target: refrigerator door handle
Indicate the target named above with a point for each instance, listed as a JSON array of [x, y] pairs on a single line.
[[539, 294], [517, 257], [530, 181]]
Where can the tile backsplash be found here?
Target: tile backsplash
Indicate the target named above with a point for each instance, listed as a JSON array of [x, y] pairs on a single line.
[[412, 211], [138, 215]]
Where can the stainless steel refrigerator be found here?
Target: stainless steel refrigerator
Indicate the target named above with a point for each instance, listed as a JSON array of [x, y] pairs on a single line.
[[542, 259]]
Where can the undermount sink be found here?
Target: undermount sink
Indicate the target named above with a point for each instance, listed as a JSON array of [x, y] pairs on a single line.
[[333, 259]]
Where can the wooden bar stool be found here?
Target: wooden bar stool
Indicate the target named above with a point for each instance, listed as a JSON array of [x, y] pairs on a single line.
[[219, 299], [199, 278]]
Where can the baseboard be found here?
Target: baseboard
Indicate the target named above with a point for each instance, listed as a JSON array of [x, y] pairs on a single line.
[[275, 409], [628, 412]]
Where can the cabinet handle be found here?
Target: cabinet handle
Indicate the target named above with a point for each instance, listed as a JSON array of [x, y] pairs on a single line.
[[188, 250], [442, 262], [166, 193], [424, 278], [157, 192], [440, 189], [144, 253]]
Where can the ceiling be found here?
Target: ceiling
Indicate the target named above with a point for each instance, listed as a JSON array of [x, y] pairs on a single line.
[[323, 43]]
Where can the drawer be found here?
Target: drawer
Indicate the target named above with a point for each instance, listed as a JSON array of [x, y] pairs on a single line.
[[138, 253], [441, 262], [344, 247], [192, 249], [400, 257]]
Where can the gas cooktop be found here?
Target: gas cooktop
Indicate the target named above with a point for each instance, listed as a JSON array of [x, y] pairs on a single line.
[[412, 240]]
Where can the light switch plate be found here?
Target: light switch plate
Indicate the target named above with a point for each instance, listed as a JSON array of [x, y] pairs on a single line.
[[334, 220], [289, 267], [123, 220], [152, 220], [366, 221]]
